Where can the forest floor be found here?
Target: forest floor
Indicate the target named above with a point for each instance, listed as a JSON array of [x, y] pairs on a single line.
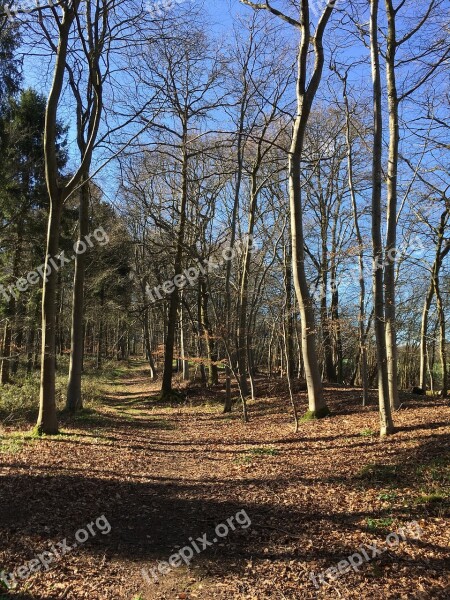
[[164, 476]]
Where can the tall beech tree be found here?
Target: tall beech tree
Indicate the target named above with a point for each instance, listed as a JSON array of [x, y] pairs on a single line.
[[86, 39], [67, 19], [386, 423], [306, 92]]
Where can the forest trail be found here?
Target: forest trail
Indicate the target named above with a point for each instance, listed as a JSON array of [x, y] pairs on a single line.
[[162, 475], [240, 187]]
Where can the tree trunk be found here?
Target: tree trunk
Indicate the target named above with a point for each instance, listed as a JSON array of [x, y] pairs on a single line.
[[305, 98], [362, 284], [166, 388], [148, 348], [185, 363], [441, 253], [330, 373], [237, 191], [31, 340], [47, 422], [6, 361], [386, 424], [391, 238], [289, 325], [17, 339], [6, 350], [317, 405], [213, 374], [338, 359], [442, 338], [423, 338], [243, 293], [100, 340], [74, 399]]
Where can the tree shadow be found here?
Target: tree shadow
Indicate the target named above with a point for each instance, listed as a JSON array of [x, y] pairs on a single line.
[[152, 517], [151, 520]]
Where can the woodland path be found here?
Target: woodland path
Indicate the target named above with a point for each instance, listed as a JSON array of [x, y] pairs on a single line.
[[161, 475]]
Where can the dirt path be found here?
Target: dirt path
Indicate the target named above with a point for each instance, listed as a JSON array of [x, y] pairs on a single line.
[[165, 476]]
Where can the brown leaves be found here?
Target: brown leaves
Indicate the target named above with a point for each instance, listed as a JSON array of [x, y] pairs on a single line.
[[313, 499]]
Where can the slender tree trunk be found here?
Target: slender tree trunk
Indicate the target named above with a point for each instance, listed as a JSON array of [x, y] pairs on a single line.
[[306, 93], [391, 238], [59, 318], [386, 424], [442, 337], [148, 348], [185, 363], [74, 399], [287, 320], [6, 349], [300, 369], [423, 338], [47, 420], [289, 325], [213, 374], [243, 294], [101, 343], [201, 336], [170, 344], [30, 345], [338, 358], [330, 373], [270, 352], [31, 336], [166, 389], [305, 97], [317, 405], [362, 282], [431, 359], [19, 319], [237, 191]]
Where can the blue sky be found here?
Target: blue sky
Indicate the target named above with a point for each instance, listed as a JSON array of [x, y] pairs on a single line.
[[219, 16]]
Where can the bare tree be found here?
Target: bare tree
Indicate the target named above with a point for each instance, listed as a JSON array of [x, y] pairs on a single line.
[[80, 36], [386, 423], [306, 92], [59, 191], [435, 52]]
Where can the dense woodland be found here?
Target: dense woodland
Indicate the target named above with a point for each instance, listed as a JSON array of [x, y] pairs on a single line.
[[237, 196]]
